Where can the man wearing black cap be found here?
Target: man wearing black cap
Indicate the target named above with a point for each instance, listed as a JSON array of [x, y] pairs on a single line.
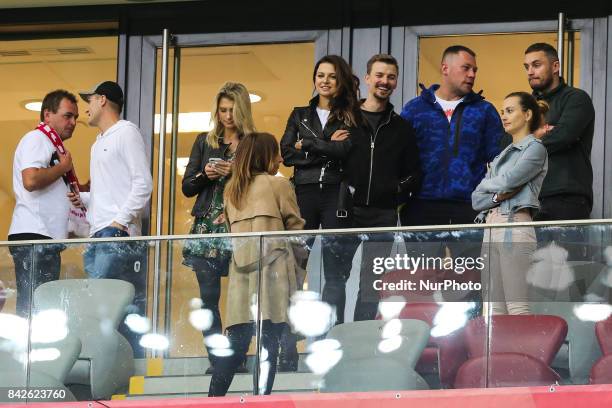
[[120, 189]]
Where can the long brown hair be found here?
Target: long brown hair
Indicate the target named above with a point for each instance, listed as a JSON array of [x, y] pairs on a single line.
[[345, 104], [243, 118], [256, 154]]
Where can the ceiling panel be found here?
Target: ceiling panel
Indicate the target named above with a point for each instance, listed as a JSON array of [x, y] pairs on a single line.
[[55, 3]]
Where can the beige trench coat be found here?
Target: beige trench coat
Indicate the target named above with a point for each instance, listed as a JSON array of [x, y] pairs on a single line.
[[270, 205]]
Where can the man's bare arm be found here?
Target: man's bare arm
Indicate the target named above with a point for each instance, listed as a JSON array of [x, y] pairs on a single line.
[[39, 178]]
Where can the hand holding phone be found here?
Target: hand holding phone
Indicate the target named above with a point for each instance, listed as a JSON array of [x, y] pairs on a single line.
[[210, 168], [223, 167]]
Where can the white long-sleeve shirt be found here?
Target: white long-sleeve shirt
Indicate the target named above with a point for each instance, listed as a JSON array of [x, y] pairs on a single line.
[[121, 182]]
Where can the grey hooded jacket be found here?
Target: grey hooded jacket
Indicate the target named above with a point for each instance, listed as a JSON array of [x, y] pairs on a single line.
[[523, 164]]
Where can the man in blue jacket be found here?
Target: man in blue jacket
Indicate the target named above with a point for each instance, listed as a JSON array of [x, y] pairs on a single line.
[[458, 133]]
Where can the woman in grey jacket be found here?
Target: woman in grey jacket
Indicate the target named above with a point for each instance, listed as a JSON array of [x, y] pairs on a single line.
[[509, 193]]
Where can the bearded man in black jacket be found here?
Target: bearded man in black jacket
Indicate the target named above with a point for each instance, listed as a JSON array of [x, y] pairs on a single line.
[[383, 169], [567, 192]]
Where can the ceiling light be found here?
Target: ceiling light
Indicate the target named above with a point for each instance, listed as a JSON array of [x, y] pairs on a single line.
[[189, 122], [34, 106], [254, 98]]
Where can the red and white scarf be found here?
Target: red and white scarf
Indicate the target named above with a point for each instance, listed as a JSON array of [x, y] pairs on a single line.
[[70, 177]]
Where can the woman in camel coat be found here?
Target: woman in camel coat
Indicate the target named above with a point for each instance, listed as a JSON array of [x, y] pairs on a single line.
[[258, 201]]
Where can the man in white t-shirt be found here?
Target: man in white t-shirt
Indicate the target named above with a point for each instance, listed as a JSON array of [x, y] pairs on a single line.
[[121, 186], [41, 207]]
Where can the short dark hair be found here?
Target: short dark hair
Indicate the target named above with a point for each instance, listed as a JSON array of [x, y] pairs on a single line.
[[52, 100], [456, 49], [548, 49], [384, 58]]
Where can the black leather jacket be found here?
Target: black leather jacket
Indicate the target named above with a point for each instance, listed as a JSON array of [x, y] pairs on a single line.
[[384, 166], [195, 180], [320, 159]]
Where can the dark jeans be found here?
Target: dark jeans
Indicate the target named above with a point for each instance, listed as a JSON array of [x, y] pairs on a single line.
[[377, 245], [560, 208], [33, 271], [125, 261], [240, 336], [208, 271], [318, 205]]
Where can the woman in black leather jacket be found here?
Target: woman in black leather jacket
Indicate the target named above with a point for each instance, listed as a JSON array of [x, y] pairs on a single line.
[[208, 170], [316, 141]]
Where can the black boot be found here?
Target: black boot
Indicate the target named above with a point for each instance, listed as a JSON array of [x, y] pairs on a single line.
[[288, 356]]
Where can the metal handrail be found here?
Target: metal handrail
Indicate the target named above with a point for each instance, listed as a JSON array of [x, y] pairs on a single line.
[[420, 228]]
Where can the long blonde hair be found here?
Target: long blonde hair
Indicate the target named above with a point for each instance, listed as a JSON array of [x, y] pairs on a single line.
[[256, 154], [243, 118]]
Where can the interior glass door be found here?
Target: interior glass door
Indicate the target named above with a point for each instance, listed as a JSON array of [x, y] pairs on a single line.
[[278, 77]]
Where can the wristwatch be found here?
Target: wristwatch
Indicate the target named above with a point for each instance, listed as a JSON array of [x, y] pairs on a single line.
[[494, 198]]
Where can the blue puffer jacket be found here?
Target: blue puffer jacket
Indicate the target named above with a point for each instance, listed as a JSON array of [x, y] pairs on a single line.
[[453, 156]]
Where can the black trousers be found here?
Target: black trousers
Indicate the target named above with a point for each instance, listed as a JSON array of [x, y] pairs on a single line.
[[443, 212], [208, 272], [437, 212], [239, 336], [377, 245], [563, 207], [34, 265], [318, 204]]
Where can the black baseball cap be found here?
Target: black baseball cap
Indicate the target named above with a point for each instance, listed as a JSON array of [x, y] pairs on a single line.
[[110, 89]]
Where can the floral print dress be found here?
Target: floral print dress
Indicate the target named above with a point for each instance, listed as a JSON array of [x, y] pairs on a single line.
[[208, 223]]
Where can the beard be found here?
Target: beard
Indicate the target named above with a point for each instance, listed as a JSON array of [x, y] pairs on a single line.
[[542, 84], [380, 97]]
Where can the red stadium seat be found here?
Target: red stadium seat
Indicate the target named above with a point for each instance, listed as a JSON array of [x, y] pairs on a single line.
[[601, 373], [443, 355], [514, 351], [504, 370], [603, 331]]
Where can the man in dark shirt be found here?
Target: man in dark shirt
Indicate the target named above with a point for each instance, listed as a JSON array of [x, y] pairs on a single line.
[[567, 192], [383, 166]]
